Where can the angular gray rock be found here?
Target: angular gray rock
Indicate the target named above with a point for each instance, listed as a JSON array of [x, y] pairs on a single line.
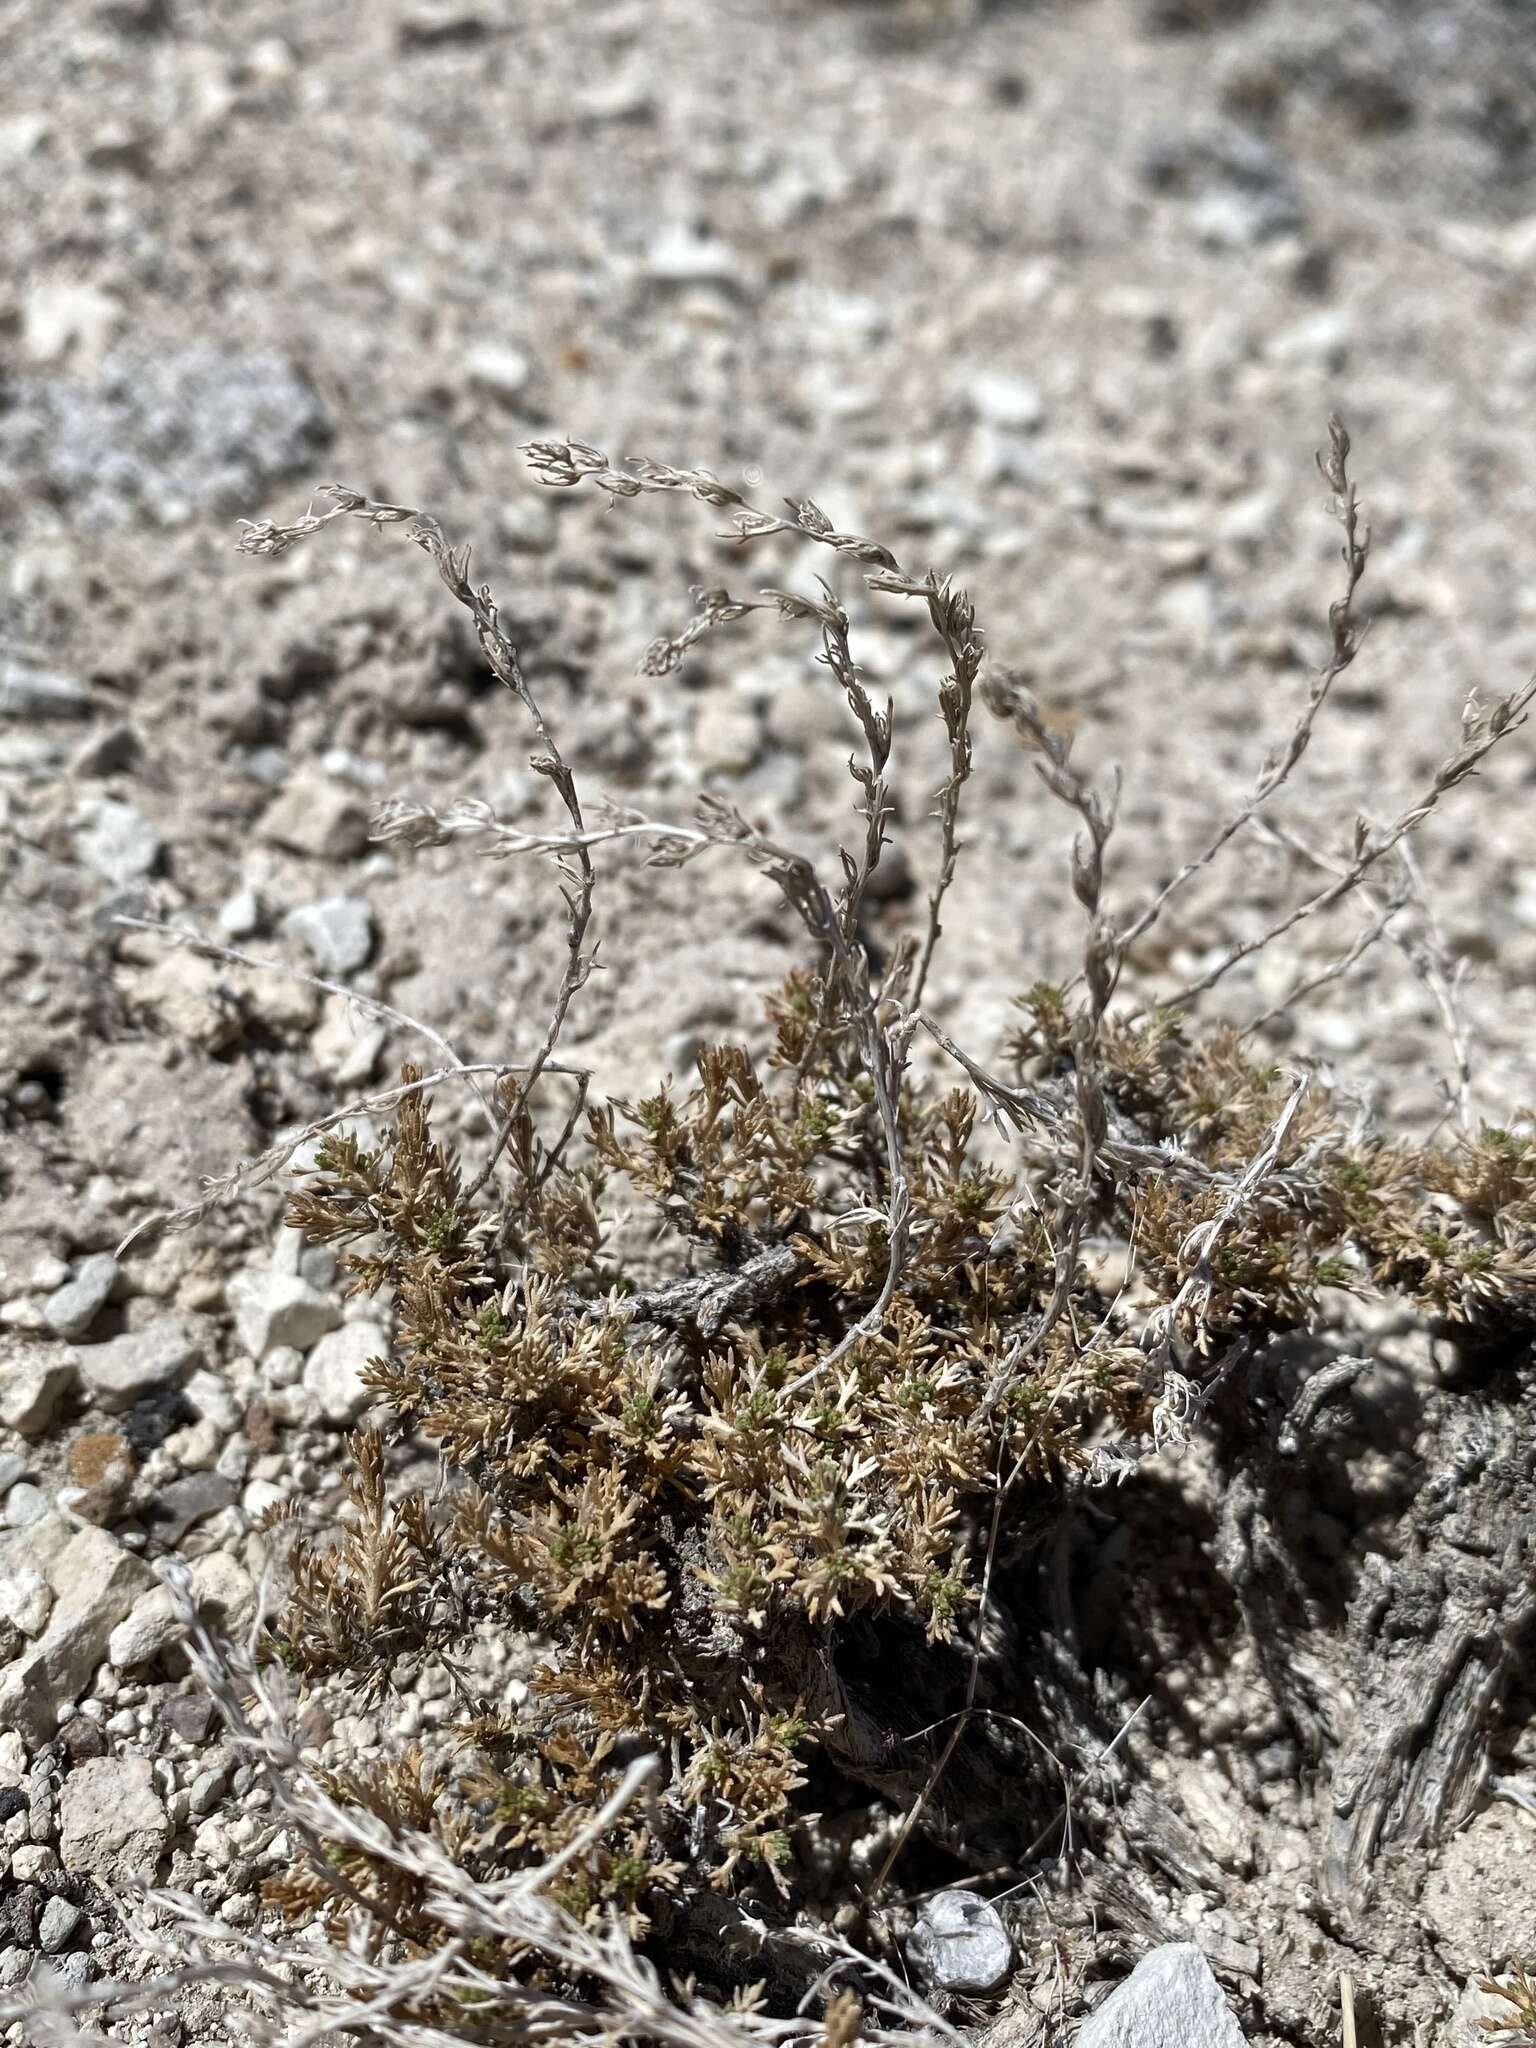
[[28, 692], [111, 751], [96, 1583], [116, 840], [315, 815], [333, 1372], [32, 1384], [222, 1592], [1170, 2000], [278, 1309], [185, 1502], [72, 1308], [335, 931], [56, 1925], [125, 1368], [960, 1943], [111, 1821], [26, 1598], [24, 1505]]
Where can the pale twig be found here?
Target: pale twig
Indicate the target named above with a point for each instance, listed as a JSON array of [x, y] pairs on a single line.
[[211, 949], [1336, 969], [1428, 957], [419, 825], [1346, 638], [1083, 1777], [954, 620], [1194, 1295], [1481, 731]]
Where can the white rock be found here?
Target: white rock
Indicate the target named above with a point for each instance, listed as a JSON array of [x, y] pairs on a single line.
[[210, 1396], [1000, 399], [347, 1044], [271, 61], [57, 1924], [196, 1448], [1322, 338], [72, 1308], [116, 840], [274, 1309], [223, 1593], [1335, 1032], [20, 134], [333, 1372], [960, 1943], [347, 766], [42, 1545], [192, 997], [293, 1253], [32, 1385], [26, 1598], [126, 1368], [28, 692], [36, 1863], [24, 1505], [153, 1626], [678, 256], [59, 314], [96, 1583], [1170, 2000], [284, 1366], [316, 816], [500, 370], [336, 932], [111, 1821], [234, 1460], [240, 915], [260, 1495]]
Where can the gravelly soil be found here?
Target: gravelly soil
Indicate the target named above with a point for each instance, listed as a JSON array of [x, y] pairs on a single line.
[[1055, 299]]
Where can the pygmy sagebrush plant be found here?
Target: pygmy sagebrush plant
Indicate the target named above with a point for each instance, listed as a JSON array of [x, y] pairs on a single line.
[[769, 1514]]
